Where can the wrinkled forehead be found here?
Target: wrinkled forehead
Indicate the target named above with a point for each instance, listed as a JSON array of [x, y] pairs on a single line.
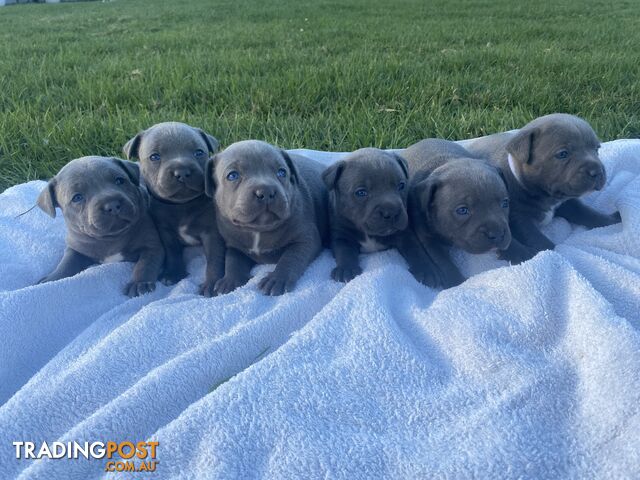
[[171, 137], [87, 175], [475, 184], [372, 170], [568, 134], [250, 160]]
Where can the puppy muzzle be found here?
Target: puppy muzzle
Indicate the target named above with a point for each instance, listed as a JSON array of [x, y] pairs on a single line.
[[268, 198], [262, 209], [489, 237], [110, 216], [594, 174], [179, 182], [588, 177], [386, 219]]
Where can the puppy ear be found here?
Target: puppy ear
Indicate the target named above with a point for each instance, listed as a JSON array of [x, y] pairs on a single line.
[[504, 179], [212, 142], [130, 148], [403, 164], [209, 176], [132, 169], [425, 191], [291, 165], [331, 175], [520, 146], [47, 198]]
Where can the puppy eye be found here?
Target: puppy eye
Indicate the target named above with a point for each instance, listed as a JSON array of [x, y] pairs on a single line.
[[401, 186], [281, 172], [505, 203], [462, 211], [233, 176], [78, 197], [198, 153], [562, 154], [154, 157], [361, 192], [119, 180]]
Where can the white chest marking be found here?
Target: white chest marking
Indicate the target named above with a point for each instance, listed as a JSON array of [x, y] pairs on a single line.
[[255, 248], [548, 216], [186, 238], [369, 245], [118, 257]]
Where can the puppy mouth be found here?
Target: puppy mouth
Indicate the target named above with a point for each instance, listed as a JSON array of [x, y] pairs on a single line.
[[478, 249], [181, 192], [116, 227], [566, 193], [579, 188], [483, 246], [264, 221], [381, 231], [599, 184], [504, 245]]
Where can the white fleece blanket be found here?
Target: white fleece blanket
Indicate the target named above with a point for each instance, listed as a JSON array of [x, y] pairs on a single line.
[[529, 371]]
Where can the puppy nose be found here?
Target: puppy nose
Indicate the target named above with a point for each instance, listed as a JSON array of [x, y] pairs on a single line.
[[494, 235], [182, 173], [594, 172], [389, 213], [112, 207], [265, 194]]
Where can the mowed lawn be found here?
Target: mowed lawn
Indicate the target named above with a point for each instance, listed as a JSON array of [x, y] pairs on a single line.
[[81, 78]]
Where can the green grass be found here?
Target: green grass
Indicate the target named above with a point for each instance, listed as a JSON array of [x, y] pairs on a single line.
[[81, 78]]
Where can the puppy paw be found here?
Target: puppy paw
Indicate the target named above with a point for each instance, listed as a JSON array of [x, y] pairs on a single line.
[[135, 289], [208, 287], [228, 284], [172, 276], [345, 274], [615, 218], [451, 279], [518, 256], [276, 284], [426, 277]]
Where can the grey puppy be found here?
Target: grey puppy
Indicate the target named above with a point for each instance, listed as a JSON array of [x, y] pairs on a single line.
[[271, 207], [106, 213], [368, 212], [172, 159], [548, 165], [456, 199]]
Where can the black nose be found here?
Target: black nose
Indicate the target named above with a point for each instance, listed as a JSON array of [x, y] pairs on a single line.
[[182, 173], [112, 207], [389, 213], [265, 194], [594, 172], [494, 235]]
